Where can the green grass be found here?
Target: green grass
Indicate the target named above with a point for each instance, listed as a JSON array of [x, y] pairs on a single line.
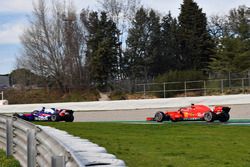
[[7, 162], [168, 145]]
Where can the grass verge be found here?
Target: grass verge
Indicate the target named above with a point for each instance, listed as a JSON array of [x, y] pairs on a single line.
[[8, 162], [168, 145]]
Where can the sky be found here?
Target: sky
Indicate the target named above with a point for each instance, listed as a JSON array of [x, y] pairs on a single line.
[[14, 15]]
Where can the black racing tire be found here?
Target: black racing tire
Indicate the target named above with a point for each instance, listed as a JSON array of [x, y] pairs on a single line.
[[16, 115], [159, 116], [224, 117], [34, 112], [54, 118], [209, 116], [69, 118]]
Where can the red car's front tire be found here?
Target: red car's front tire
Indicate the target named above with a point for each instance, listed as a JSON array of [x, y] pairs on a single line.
[[159, 116]]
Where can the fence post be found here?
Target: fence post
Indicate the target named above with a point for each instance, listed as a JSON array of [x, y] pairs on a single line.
[[229, 79], [9, 137], [243, 86], [58, 161], [205, 92], [248, 73], [164, 89], [144, 90], [2, 94], [185, 88], [222, 86], [31, 148]]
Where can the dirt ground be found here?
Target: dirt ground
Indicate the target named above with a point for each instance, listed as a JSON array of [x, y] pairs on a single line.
[[237, 112]]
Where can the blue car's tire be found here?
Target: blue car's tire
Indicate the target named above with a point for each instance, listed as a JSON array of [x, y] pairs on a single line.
[[69, 118], [15, 115], [55, 118]]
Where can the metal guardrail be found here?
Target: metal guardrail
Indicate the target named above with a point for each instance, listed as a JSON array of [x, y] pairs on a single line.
[[32, 146], [203, 87]]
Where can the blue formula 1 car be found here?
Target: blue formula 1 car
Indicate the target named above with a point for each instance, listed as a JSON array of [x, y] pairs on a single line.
[[50, 114]]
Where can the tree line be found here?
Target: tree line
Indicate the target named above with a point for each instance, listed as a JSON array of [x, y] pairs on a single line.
[[124, 40]]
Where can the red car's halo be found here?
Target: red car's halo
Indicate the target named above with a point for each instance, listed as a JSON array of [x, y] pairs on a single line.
[[193, 113]]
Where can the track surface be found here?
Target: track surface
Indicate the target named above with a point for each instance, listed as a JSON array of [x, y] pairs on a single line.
[[237, 112]]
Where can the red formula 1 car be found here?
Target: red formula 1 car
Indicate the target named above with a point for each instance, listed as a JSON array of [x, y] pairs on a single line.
[[193, 113]]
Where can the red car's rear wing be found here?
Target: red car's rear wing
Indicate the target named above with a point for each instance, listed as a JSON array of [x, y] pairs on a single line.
[[226, 109]]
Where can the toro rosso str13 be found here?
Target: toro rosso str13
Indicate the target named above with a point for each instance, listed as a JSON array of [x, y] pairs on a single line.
[[193, 113], [50, 114]]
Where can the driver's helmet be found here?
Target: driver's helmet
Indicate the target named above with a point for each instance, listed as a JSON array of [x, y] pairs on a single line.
[[49, 110]]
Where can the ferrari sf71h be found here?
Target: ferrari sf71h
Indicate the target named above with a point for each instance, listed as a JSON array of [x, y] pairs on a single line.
[[50, 114], [193, 113]]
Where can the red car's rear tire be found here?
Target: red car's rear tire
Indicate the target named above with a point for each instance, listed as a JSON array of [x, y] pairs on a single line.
[[159, 116], [224, 117], [209, 116]]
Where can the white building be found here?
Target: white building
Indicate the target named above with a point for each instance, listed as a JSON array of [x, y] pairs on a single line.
[[4, 81]]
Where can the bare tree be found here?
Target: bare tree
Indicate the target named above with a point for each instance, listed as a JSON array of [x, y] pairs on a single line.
[[218, 26], [53, 45], [121, 12]]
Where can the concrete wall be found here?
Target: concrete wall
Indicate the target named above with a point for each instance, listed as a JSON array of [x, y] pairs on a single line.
[[132, 104]]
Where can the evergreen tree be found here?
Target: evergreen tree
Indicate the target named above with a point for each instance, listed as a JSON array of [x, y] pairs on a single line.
[[136, 46], [169, 59], [196, 45], [102, 50], [154, 44], [243, 60], [233, 50], [143, 45], [226, 54]]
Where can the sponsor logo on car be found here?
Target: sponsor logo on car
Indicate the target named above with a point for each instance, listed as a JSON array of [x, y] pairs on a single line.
[[41, 118]]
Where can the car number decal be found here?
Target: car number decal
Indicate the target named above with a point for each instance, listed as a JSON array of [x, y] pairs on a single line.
[[41, 118]]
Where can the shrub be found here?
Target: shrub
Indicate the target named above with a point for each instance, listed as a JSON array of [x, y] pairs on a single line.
[[118, 95], [43, 96], [175, 81]]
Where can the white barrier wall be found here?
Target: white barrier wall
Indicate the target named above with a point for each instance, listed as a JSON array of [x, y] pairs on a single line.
[[3, 102], [133, 104]]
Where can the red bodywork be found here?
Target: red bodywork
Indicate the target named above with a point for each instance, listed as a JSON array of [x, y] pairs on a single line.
[[193, 112]]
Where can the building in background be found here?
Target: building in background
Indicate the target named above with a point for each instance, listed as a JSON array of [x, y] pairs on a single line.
[[4, 81]]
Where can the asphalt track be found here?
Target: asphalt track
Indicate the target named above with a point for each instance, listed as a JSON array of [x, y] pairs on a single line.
[[232, 122], [239, 115]]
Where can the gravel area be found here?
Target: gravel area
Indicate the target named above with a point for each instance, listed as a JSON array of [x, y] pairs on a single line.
[[237, 112]]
